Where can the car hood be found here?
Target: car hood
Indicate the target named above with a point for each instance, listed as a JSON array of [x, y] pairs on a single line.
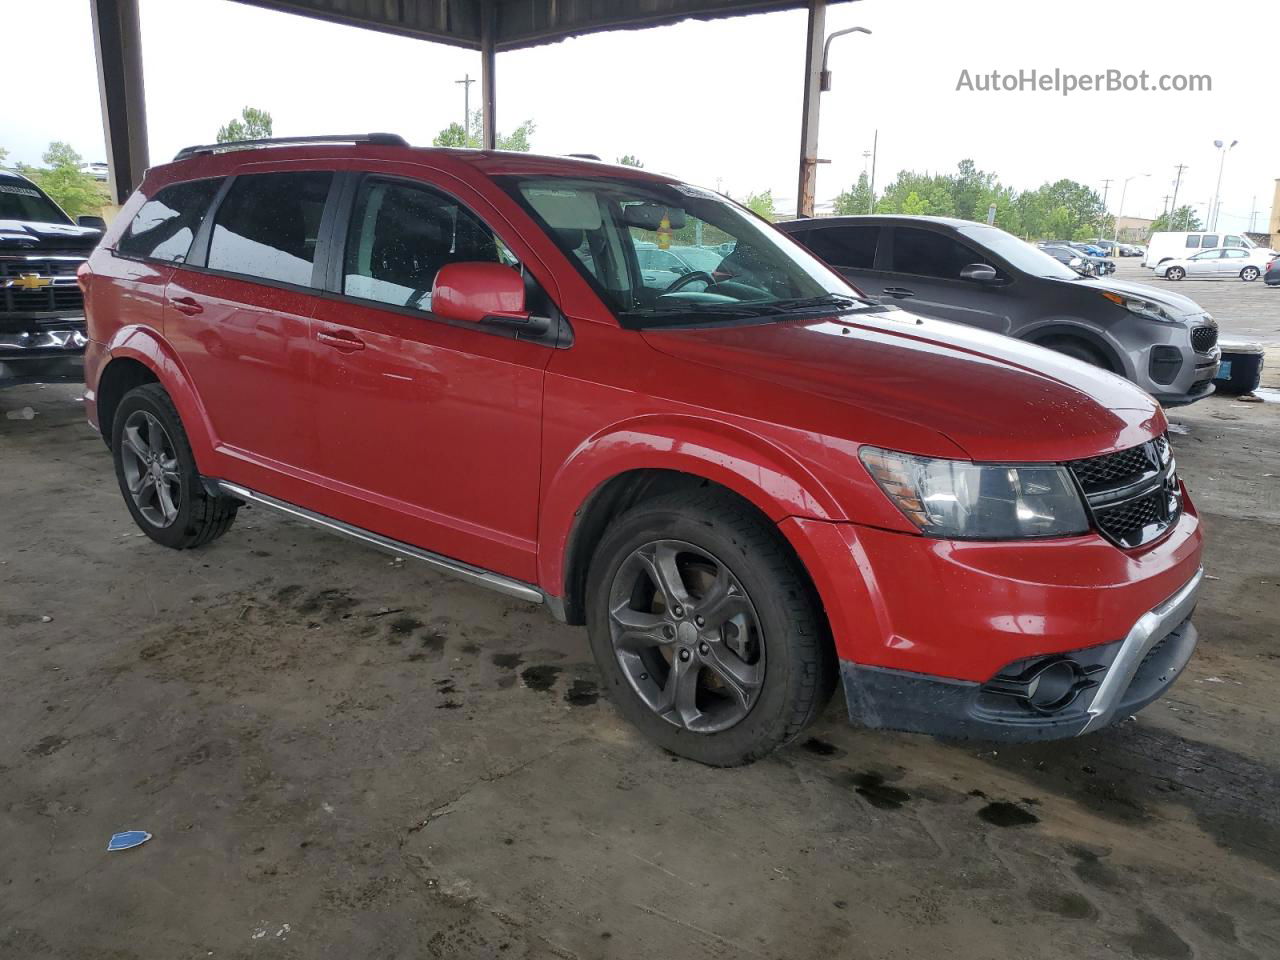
[[997, 398], [1176, 302], [33, 235]]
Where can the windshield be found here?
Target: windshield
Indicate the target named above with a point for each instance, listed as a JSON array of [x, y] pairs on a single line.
[[22, 201], [665, 254], [1018, 253]]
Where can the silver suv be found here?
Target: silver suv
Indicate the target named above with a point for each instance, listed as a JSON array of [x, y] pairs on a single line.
[[984, 277]]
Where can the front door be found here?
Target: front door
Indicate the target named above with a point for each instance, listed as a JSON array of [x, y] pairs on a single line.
[[430, 428], [924, 276]]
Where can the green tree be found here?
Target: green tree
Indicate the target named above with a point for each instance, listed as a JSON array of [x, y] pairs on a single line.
[[857, 199], [914, 204], [3, 154], [62, 179], [762, 203], [630, 160], [454, 136], [252, 124], [1184, 218]]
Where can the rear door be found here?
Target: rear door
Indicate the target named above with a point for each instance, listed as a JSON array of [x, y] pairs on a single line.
[[239, 315], [851, 250], [430, 428], [924, 276]]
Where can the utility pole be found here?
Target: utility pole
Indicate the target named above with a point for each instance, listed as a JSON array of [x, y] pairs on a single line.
[[1106, 188], [1253, 213], [1173, 207], [1165, 200], [466, 82], [875, 148]]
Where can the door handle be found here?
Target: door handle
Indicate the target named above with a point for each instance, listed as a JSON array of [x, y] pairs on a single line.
[[341, 341], [188, 305], [900, 292]]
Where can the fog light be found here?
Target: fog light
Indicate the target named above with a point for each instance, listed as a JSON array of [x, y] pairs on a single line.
[[1045, 686], [1165, 363]]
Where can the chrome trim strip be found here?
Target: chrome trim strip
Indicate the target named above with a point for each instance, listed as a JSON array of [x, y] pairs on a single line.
[[464, 571], [1152, 627]]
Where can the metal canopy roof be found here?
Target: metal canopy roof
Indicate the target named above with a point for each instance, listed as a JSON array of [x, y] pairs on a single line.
[[517, 23]]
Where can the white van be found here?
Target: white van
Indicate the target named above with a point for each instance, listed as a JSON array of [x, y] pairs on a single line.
[[1176, 246]]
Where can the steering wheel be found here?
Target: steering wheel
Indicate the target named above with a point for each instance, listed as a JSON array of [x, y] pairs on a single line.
[[679, 283]]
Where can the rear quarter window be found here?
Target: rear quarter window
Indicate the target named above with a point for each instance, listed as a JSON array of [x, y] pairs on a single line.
[[165, 225]]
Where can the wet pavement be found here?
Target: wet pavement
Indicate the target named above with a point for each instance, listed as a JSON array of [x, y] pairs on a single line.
[[340, 755]]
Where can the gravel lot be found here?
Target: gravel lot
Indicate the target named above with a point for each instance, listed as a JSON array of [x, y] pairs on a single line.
[[343, 756]]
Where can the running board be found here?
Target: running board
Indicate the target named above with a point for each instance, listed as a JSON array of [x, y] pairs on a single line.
[[463, 571]]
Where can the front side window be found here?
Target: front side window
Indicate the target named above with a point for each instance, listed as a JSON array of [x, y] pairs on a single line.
[[928, 254], [20, 200], [669, 253], [853, 247], [165, 225], [1208, 255], [401, 234], [268, 225]]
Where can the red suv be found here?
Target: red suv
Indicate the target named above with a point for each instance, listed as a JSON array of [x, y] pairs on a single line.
[[747, 480]]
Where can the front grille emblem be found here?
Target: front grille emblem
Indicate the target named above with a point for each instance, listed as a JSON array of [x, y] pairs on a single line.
[[29, 281]]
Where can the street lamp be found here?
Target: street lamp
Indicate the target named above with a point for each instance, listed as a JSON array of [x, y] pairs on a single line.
[[1120, 211], [1222, 161], [825, 77]]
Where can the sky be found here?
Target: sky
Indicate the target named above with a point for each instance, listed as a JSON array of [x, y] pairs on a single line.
[[718, 104]]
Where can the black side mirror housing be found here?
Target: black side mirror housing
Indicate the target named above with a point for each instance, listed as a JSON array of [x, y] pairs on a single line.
[[96, 222]]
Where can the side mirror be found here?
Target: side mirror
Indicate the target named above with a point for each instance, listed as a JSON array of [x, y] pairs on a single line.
[[483, 292], [96, 222], [978, 273]]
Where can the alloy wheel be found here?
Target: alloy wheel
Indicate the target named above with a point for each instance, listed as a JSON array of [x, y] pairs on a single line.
[[151, 469], [1249, 273], [686, 636]]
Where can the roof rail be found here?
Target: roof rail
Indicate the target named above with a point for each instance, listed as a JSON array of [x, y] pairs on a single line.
[[381, 139]]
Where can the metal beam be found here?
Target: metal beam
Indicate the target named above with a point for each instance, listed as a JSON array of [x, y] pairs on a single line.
[[488, 64], [117, 43], [809, 115]]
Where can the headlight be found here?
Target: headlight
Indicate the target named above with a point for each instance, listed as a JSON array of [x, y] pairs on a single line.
[[1143, 308], [956, 499], [1074, 262]]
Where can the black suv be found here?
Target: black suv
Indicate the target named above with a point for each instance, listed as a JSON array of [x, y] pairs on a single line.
[[42, 334]]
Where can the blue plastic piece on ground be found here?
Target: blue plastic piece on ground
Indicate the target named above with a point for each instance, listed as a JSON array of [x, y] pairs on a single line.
[[128, 840]]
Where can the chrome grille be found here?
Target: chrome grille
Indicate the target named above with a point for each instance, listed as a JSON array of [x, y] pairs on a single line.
[[1133, 494], [61, 296], [1204, 339]]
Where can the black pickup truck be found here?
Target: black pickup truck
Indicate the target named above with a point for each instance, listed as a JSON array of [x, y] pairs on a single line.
[[42, 333]]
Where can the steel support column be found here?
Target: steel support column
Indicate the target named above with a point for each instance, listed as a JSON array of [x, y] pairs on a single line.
[[487, 63], [812, 98], [117, 43]]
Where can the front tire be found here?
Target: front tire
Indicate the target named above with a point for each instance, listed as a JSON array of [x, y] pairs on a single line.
[[1250, 274], [1174, 273], [1078, 350], [707, 633], [157, 473]]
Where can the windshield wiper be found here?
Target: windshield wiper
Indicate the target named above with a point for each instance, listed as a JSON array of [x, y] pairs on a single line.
[[824, 300]]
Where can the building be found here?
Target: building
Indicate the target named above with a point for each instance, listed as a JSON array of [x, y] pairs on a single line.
[[1133, 229]]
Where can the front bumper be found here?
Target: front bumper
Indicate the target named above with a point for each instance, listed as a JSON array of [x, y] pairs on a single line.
[[1114, 680], [47, 353]]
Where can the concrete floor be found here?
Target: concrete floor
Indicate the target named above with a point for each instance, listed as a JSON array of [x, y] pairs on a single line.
[[343, 756]]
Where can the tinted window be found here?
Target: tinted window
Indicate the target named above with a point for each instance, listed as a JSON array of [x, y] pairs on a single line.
[[845, 246], [1193, 240], [1209, 240], [929, 254], [1233, 241], [268, 224], [400, 237], [165, 225], [20, 200]]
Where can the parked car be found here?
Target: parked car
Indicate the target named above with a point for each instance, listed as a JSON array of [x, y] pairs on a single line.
[[1272, 276], [1221, 263], [1179, 245], [1097, 258], [748, 485], [42, 333], [1068, 256], [1132, 250], [975, 274]]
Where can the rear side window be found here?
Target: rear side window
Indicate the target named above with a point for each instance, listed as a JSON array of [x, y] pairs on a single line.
[[268, 225], [402, 234], [928, 254], [1193, 240], [165, 225], [1208, 240], [853, 247]]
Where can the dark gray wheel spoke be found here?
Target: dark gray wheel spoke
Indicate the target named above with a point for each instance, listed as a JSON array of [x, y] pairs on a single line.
[[660, 559], [135, 444], [168, 505], [741, 678], [150, 467], [722, 601], [635, 630], [680, 695]]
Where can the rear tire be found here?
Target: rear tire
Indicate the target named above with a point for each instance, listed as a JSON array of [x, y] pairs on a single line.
[[1250, 274], [1078, 350], [157, 473], [726, 689]]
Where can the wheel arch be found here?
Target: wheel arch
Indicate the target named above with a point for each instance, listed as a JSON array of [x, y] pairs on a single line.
[[617, 470], [1066, 330]]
